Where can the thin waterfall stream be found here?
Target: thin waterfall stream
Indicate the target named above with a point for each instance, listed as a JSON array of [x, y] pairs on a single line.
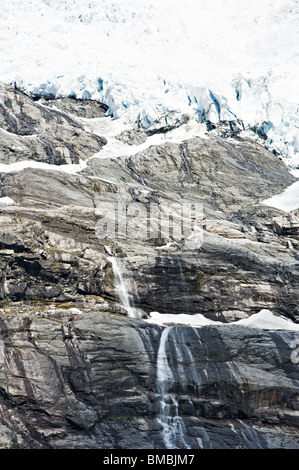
[[177, 377], [176, 374], [173, 429], [124, 285]]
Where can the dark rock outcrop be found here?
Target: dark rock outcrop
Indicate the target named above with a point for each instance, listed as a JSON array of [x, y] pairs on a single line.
[[89, 380]]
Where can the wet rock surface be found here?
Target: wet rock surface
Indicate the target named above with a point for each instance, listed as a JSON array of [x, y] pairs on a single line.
[[75, 371], [89, 380]]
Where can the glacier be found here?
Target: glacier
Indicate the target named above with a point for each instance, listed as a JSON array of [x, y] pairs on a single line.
[[224, 60]]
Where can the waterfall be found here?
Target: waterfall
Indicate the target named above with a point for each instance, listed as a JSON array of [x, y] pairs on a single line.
[[174, 368], [173, 429], [124, 284]]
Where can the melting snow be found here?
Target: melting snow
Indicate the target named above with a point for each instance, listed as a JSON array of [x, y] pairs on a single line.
[[265, 319], [6, 200], [19, 166], [116, 147], [286, 201], [180, 319]]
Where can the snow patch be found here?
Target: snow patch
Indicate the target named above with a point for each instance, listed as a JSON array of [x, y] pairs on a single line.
[[264, 319], [116, 147], [196, 320], [20, 166], [287, 201], [6, 200]]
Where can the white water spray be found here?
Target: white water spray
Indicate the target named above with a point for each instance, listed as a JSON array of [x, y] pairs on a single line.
[[173, 428], [124, 285]]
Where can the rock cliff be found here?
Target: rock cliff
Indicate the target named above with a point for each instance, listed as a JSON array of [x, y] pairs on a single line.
[[81, 363]]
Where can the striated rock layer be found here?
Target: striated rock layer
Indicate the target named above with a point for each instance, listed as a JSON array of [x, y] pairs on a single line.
[[75, 370], [89, 380]]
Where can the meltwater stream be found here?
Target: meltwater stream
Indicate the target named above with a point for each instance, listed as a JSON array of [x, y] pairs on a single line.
[[124, 286], [173, 429], [179, 377], [175, 371]]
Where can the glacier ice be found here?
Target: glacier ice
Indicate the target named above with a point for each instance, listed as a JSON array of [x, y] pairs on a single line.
[[220, 60]]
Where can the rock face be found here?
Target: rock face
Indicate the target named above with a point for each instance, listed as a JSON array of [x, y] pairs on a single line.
[[90, 380], [75, 369], [33, 131]]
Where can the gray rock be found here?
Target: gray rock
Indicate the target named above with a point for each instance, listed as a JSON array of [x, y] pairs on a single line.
[[31, 130], [75, 370], [90, 381], [81, 108]]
